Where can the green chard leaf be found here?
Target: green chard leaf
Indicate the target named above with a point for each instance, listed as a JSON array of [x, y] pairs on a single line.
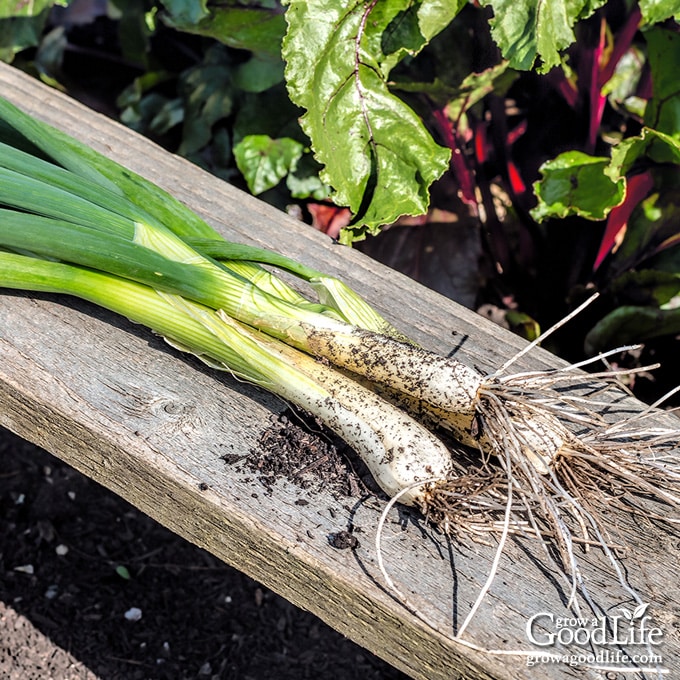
[[377, 154], [474, 88], [412, 27], [631, 323], [20, 32], [186, 11], [656, 11], [259, 73], [528, 31], [652, 236], [21, 8], [264, 161], [663, 110], [646, 287], [136, 25], [258, 27], [657, 146], [575, 183], [208, 96]]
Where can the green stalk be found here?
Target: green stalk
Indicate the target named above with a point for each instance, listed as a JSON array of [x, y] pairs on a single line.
[[66, 195], [55, 177], [425, 375], [88, 163], [220, 249], [26, 193], [138, 303], [140, 260], [331, 291], [157, 207], [156, 256], [270, 283]]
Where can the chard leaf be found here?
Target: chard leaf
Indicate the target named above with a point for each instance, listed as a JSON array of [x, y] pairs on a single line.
[[21, 8], [264, 161], [646, 287], [303, 181], [268, 113], [170, 113], [531, 31], [657, 146], [208, 97], [413, 27], [656, 11], [259, 73], [19, 32], [258, 27], [652, 236], [630, 323], [377, 154], [474, 88], [575, 183], [663, 109], [186, 11]]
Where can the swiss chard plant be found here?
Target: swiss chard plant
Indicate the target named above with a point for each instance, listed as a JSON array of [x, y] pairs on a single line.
[[634, 190]]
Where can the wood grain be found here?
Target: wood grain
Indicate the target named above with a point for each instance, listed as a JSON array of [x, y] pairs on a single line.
[[152, 425]]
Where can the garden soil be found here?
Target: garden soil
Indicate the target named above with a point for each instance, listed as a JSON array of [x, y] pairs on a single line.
[[92, 589]]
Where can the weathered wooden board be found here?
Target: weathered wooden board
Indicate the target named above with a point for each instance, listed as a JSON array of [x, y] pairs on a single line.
[[119, 405]]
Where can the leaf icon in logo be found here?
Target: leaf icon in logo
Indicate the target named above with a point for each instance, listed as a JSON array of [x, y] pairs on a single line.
[[627, 615], [640, 610], [637, 613]]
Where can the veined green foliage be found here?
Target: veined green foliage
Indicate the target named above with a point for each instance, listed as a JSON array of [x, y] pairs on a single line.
[[377, 154], [656, 11], [576, 183], [264, 161], [531, 31], [630, 323], [259, 29], [663, 110]]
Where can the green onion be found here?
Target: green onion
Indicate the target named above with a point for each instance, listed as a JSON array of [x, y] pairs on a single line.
[[72, 228], [394, 446], [105, 183], [76, 223]]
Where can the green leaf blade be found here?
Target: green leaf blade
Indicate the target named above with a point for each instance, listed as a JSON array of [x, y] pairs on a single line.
[[21, 8], [258, 29], [659, 147], [264, 161], [531, 31], [412, 28], [663, 110], [575, 183], [186, 11], [376, 152], [18, 32], [631, 323], [95, 167], [656, 11]]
